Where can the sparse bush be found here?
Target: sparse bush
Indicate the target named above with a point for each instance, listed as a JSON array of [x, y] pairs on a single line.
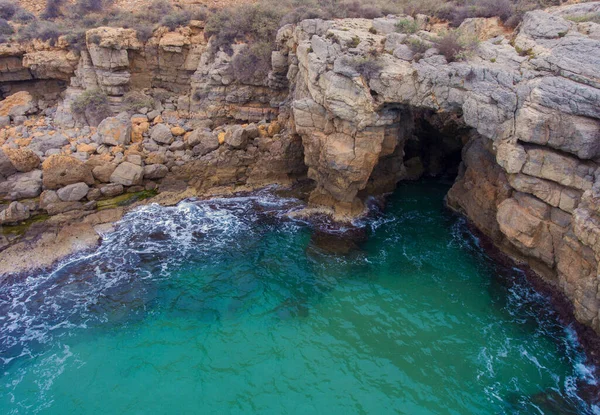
[[52, 10], [135, 101], [303, 13], [76, 39], [92, 105], [42, 30], [157, 10], [367, 67], [248, 23], [454, 14], [590, 17], [417, 45], [143, 32], [354, 42], [5, 28], [89, 6], [23, 16], [95, 39], [455, 46], [407, 26], [175, 20], [495, 8], [8, 9], [252, 63]]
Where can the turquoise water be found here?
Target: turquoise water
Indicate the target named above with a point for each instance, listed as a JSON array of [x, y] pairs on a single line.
[[230, 307]]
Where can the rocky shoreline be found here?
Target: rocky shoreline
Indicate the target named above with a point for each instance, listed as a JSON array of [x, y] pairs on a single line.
[[354, 105]]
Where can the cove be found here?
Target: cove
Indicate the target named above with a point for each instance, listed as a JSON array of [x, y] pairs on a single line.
[[229, 306]]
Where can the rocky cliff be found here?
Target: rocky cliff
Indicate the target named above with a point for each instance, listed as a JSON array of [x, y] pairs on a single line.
[[353, 104], [529, 177]]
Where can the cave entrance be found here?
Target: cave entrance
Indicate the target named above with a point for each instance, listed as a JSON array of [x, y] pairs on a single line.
[[427, 144], [48, 90], [434, 149]]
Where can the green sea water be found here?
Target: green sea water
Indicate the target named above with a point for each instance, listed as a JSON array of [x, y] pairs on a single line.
[[231, 307]]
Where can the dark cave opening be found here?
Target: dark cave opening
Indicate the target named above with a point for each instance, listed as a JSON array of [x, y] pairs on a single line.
[[436, 144]]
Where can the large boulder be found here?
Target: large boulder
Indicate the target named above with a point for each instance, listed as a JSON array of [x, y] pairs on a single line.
[[161, 134], [203, 142], [114, 131], [44, 143], [103, 172], [73, 192], [6, 166], [112, 190], [15, 212], [238, 137], [17, 105], [155, 171], [51, 203], [60, 171], [23, 159], [127, 174], [22, 185]]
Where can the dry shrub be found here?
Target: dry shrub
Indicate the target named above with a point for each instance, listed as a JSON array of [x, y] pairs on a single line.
[[42, 30], [5, 28], [90, 6], [8, 9], [92, 106], [368, 67], [455, 46], [135, 101], [252, 63], [53, 9]]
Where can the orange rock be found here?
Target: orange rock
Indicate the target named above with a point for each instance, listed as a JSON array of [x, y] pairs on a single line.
[[23, 142], [221, 137], [86, 148], [116, 149], [274, 128], [157, 120], [17, 104], [60, 170], [23, 159], [263, 131], [139, 120], [177, 131], [138, 130], [134, 149]]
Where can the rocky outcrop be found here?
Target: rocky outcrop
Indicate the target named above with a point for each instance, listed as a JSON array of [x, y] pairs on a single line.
[[352, 104], [530, 168]]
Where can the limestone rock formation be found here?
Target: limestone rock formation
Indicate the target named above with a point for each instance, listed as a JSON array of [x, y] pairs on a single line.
[[350, 103]]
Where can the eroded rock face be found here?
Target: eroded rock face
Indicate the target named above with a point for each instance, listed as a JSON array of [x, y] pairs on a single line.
[[346, 95], [530, 170]]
